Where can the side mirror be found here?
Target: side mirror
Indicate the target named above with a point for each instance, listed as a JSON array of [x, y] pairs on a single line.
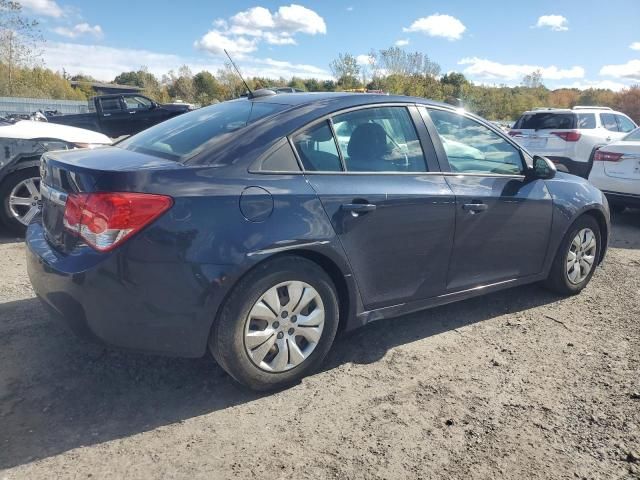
[[543, 168], [153, 105]]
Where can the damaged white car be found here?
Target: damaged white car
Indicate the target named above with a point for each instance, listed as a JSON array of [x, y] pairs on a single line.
[[22, 143]]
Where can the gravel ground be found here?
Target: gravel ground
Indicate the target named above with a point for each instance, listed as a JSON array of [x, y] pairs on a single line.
[[519, 384]]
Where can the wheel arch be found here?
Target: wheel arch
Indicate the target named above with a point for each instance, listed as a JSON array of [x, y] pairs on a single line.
[[599, 217], [345, 289]]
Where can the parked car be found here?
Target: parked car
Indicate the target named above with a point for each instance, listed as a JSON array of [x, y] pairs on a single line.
[[247, 228], [22, 143], [122, 114], [616, 171], [570, 138]]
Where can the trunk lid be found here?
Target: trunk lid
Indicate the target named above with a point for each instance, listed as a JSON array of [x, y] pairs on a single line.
[[628, 166], [83, 171]]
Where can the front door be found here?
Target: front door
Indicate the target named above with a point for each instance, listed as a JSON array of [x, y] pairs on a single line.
[[395, 220], [503, 219]]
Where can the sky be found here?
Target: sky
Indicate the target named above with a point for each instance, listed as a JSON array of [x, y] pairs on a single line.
[[575, 43]]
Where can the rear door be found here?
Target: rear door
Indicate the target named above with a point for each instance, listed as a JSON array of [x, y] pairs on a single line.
[[610, 124], [503, 219], [114, 118], [378, 179]]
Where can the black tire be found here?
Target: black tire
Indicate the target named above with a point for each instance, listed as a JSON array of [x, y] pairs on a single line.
[[13, 179], [226, 341], [558, 279]]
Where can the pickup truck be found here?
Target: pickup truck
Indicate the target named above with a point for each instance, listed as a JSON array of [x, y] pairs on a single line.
[[121, 114]]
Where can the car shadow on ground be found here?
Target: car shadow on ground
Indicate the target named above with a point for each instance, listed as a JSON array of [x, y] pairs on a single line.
[[58, 392]]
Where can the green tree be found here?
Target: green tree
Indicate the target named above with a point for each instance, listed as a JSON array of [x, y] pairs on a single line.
[[346, 70], [20, 39], [207, 89]]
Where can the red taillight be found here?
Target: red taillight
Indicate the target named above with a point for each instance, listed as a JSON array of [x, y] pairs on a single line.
[[514, 133], [104, 220], [602, 156], [568, 136]]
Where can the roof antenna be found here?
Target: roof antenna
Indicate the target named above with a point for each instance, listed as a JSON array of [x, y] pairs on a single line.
[[239, 74]]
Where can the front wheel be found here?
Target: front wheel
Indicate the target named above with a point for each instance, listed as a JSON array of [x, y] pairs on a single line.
[[20, 199], [277, 325], [577, 257]]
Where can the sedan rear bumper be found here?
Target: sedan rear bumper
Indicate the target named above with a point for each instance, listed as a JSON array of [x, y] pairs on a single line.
[[121, 301]]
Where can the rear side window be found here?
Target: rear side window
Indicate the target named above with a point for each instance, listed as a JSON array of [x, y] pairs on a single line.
[[381, 139], [609, 121], [624, 124], [281, 159], [186, 135], [586, 120], [110, 104], [317, 149], [547, 121]]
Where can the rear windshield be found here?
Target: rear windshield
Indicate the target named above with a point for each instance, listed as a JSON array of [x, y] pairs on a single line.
[[184, 136], [546, 120], [633, 136]]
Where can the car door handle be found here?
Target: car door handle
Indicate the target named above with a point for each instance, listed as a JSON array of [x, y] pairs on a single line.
[[358, 207], [475, 207], [132, 113], [608, 139]]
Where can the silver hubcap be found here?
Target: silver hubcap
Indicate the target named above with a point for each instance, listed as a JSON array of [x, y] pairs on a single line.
[[581, 256], [284, 326], [25, 201]]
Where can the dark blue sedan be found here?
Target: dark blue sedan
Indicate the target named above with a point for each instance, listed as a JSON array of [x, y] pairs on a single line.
[[259, 228]]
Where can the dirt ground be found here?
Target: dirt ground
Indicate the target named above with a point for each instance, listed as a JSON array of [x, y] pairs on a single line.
[[519, 384]]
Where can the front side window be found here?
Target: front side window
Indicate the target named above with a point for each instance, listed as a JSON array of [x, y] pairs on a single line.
[[624, 124], [473, 148], [317, 149], [137, 103], [609, 121], [381, 139]]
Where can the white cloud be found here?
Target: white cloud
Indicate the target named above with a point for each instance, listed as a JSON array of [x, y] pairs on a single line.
[[438, 25], [557, 23], [486, 69], [47, 8], [402, 42], [585, 84], [349, 9], [243, 32], [629, 70], [104, 63], [364, 59], [79, 29], [635, 46], [216, 42]]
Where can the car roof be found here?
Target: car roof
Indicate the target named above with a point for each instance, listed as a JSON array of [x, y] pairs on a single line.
[[306, 98]]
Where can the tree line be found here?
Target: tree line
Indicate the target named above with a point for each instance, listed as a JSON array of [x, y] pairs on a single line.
[[392, 70]]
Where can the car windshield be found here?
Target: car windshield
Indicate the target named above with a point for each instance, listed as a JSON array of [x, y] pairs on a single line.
[[186, 135], [546, 120], [633, 136]]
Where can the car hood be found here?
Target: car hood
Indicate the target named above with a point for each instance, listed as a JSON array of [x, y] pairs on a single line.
[[177, 107], [30, 130]]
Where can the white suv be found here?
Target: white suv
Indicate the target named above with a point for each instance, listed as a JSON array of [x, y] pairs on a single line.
[[570, 137]]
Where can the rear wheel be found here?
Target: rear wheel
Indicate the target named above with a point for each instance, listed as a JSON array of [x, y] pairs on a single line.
[[277, 325], [20, 197], [577, 257]]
